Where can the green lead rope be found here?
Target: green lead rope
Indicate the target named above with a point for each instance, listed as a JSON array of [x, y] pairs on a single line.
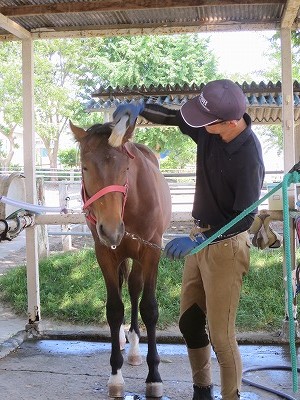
[[290, 177], [235, 220], [287, 180]]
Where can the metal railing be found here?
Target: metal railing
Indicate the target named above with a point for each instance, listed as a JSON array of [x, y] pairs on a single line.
[[74, 175]]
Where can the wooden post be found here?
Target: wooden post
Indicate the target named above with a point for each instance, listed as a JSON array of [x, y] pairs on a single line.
[[32, 260], [42, 230], [63, 201]]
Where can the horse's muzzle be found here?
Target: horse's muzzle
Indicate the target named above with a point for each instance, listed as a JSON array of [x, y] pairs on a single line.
[[110, 236]]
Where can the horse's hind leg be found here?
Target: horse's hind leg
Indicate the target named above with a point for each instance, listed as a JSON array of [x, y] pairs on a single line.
[[135, 285], [123, 276], [149, 314], [122, 337]]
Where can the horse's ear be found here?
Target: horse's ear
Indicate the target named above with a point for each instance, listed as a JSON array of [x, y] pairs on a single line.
[[120, 133], [78, 133]]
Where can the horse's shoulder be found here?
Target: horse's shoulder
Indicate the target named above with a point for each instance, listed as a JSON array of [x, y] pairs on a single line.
[[147, 152]]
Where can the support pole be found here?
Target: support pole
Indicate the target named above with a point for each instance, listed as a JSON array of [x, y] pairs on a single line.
[[287, 105], [32, 261], [288, 142], [64, 202]]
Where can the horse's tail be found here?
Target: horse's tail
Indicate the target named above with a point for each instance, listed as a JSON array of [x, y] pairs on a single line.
[[124, 270]]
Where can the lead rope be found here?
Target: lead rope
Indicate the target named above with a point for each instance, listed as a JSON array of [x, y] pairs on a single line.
[[290, 177], [287, 180]]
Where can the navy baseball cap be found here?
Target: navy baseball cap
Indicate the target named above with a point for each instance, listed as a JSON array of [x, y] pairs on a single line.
[[219, 100]]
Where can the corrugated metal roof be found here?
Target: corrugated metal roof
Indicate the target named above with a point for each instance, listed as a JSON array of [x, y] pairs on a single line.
[[46, 18], [264, 100]]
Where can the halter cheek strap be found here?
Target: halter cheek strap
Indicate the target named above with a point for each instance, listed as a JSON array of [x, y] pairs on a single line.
[[108, 189]]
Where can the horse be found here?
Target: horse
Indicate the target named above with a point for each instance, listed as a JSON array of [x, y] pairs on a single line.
[[128, 208]]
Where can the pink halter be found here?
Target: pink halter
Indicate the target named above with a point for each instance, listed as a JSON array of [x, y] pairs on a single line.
[[108, 189]]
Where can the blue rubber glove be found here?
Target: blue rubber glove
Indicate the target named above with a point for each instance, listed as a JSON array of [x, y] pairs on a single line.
[[181, 247], [131, 109]]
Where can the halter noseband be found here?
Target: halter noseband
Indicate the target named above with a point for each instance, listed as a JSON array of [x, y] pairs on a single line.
[[108, 189]]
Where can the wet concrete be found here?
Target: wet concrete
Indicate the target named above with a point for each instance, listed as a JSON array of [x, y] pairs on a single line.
[[75, 369]]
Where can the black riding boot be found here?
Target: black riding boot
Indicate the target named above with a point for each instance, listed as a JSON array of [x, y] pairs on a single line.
[[203, 393]]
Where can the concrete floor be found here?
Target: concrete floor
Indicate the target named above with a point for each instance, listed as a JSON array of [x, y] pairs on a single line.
[[79, 369], [76, 368]]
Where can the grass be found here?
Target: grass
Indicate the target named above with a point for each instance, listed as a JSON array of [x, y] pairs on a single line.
[[72, 289], [262, 300]]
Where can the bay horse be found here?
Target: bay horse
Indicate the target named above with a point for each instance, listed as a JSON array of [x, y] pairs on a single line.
[[128, 208]]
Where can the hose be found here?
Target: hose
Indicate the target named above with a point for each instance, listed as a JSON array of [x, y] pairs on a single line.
[[32, 207], [265, 388], [287, 180]]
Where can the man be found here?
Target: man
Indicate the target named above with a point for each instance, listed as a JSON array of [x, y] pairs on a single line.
[[229, 177]]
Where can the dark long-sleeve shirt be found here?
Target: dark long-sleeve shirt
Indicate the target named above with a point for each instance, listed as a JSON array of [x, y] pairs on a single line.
[[229, 176]]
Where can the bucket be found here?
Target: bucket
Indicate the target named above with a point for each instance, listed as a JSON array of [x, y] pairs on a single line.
[[275, 200], [13, 187]]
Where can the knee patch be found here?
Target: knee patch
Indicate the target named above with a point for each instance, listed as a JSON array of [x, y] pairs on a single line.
[[192, 326]]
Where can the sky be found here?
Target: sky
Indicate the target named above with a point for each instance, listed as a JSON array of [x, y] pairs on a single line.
[[244, 52], [241, 51]]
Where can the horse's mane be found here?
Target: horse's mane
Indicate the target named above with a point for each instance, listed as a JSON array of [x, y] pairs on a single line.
[[115, 134], [100, 129]]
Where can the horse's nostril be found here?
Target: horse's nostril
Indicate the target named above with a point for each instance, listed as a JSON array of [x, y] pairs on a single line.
[[102, 232], [111, 236]]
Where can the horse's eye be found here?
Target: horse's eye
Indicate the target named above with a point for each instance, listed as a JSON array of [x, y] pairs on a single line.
[[84, 168]]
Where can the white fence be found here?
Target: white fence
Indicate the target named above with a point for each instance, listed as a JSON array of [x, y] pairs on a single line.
[[175, 175]]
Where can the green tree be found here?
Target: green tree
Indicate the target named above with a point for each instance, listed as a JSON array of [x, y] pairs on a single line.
[[11, 97], [274, 133], [67, 71], [55, 90], [149, 60], [68, 158], [274, 74], [145, 60], [182, 151]]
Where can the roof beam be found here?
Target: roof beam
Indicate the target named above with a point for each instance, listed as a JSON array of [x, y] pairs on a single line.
[[290, 13], [115, 5], [14, 28], [151, 29]]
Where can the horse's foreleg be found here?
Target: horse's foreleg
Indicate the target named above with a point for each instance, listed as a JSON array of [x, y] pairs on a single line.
[[115, 315], [149, 314], [135, 284]]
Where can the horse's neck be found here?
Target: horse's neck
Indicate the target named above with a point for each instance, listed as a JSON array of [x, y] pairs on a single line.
[[146, 152]]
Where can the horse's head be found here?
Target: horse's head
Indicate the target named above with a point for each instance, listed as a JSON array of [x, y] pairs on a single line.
[[104, 179]]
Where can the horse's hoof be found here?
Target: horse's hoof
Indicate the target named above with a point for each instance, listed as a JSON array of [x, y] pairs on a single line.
[[135, 360], [116, 385], [154, 389], [116, 391]]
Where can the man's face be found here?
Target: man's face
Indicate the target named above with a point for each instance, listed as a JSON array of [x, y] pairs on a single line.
[[216, 127]]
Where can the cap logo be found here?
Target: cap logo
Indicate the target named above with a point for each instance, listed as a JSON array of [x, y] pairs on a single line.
[[203, 101]]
